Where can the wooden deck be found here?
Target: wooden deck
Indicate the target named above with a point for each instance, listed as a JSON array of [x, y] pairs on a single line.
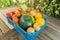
[[7, 32]]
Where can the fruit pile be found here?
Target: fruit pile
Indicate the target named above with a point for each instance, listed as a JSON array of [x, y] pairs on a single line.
[[29, 20]]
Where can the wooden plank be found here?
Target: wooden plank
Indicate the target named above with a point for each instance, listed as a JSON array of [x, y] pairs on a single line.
[[0, 37], [53, 32], [12, 35], [42, 36], [53, 27], [50, 35], [3, 27], [20, 37], [0, 32], [54, 22], [3, 14], [37, 38], [3, 18]]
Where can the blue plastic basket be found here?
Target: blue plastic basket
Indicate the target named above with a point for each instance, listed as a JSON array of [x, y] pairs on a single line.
[[26, 35]]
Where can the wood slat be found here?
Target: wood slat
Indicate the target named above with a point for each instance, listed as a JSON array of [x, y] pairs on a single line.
[[44, 37], [52, 27], [12, 35], [54, 22], [0, 32], [55, 26], [37, 38], [53, 32], [3, 18], [3, 27], [3, 15], [41, 37], [50, 35]]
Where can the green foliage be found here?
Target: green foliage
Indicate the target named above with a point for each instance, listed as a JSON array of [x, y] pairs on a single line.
[[7, 3], [50, 7]]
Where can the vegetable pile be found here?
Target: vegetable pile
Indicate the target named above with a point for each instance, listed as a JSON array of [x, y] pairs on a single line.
[[29, 20]]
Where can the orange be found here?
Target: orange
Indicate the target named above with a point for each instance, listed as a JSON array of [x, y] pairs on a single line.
[[38, 15], [36, 27], [30, 30], [40, 21]]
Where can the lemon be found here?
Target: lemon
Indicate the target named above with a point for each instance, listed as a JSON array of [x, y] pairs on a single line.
[[40, 21], [38, 15]]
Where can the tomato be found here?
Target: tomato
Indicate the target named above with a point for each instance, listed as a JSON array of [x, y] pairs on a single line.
[[15, 19], [10, 14]]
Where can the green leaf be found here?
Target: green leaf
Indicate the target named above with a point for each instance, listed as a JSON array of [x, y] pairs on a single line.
[[21, 1], [24, 7], [56, 12]]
